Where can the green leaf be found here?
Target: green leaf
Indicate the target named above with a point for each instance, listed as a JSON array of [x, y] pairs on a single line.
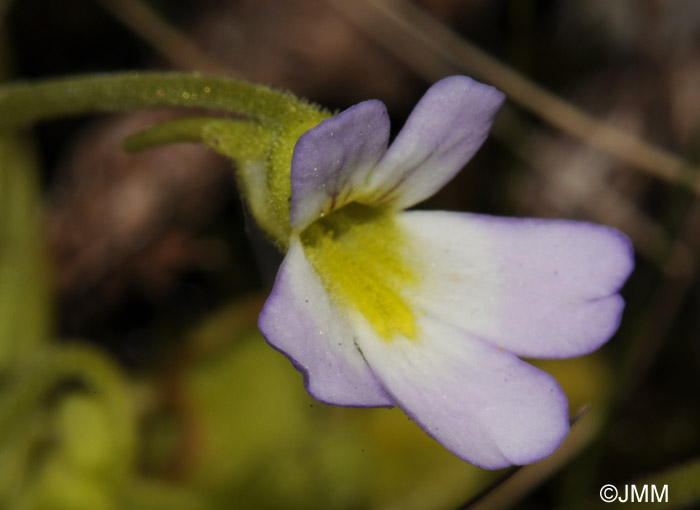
[[252, 437], [66, 417]]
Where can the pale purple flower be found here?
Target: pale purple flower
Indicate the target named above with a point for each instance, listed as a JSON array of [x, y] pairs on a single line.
[[481, 291]]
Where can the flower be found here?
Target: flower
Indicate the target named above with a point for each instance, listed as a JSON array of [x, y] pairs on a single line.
[[430, 310]]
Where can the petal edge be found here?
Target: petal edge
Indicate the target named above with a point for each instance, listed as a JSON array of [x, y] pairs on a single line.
[[483, 404], [538, 288], [447, 126], [299, 320]]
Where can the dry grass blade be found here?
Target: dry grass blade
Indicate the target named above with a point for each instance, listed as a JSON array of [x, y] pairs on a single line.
[[596, 198], [168, 41], [665, 308], [400, 25]]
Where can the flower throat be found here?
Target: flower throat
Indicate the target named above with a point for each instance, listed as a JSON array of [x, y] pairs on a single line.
[[358, 253]]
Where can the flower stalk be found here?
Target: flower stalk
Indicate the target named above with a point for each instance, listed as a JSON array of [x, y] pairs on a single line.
[[260, 139], [24, 103]]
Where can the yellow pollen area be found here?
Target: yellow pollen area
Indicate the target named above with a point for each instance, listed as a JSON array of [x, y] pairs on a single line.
[[360, 254]]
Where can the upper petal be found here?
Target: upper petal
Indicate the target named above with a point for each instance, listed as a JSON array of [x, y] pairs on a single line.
[[330, 162], [482, 403], [445, 129], [538, 288], [299, 320]]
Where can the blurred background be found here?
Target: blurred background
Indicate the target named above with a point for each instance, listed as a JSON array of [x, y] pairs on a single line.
[[131, 371]]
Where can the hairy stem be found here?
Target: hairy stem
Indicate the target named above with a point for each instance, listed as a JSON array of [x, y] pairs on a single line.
[[23, 103]]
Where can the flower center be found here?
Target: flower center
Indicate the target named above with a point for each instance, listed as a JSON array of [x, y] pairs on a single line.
[[361, 256]]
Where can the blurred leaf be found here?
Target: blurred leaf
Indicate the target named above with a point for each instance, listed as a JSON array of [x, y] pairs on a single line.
[[254, 438], [60, 486], [155, 495], [83, 423], [67, 431], [24, 302], [683, 485]]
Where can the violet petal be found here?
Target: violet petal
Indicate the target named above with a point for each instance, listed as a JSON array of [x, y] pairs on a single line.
[[330, 162], [299, 320], [445, 129], [482, 403]]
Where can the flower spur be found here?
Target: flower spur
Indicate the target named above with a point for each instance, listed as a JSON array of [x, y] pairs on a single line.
[[431, 310]]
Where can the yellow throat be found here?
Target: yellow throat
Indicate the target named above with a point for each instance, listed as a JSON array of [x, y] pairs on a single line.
[[363, 259]]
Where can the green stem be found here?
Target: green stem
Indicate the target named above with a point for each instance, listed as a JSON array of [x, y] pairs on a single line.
[[24, 103], [25, 302]]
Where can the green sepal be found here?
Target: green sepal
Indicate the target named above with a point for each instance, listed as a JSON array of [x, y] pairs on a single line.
[[262, 153], [261, 144]]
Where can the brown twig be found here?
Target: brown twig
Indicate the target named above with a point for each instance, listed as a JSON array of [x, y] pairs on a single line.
[[413, 35]]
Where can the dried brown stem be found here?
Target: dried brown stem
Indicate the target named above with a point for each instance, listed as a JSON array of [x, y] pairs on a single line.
[[409, 32]]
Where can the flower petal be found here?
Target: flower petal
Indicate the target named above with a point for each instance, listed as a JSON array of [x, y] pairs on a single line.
[[538, 288], [299, 320], [445, 129], [331, 161], [482, 403]]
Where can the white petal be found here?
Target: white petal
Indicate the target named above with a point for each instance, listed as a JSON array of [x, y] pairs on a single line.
[[299, 320], [538, 288], [445, 129], [482, 403]]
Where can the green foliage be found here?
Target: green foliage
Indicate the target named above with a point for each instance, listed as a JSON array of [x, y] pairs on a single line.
[[260, 441], [66, 422], [24, 299], [50, 434]]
